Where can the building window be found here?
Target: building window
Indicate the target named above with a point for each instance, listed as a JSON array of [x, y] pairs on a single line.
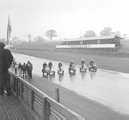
[[98, 41], [81, 42]]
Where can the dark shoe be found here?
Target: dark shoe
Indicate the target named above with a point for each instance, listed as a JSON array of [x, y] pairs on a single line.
[[1, 94], [8, 93]]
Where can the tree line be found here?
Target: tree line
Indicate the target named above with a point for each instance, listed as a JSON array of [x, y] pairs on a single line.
[[106, 31], [52, 33]]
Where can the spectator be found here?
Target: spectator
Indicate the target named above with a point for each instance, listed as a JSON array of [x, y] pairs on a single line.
[[24, 70], [1, 68], [6, 59], [29, 69]]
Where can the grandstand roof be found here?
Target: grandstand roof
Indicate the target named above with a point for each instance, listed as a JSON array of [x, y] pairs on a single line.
[[91, 38]]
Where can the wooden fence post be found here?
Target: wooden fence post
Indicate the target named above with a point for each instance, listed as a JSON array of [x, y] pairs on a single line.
[[32, 99], [57, 95], [47, 109]]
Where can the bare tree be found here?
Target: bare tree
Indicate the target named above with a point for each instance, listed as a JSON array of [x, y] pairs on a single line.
[[39, 39], [107, 31], [51, 34], [118, 33], [29, 38], [89, 33]]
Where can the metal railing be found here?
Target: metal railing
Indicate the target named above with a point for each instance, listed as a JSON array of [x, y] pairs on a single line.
[[38, 103]]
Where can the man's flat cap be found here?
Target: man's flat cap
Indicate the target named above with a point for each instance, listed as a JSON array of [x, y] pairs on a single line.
[[2, 45]]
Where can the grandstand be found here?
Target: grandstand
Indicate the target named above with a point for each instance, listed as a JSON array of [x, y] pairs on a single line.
[[108, 42]]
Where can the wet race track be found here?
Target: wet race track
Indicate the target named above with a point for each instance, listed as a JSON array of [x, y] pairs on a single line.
[[107, 87]]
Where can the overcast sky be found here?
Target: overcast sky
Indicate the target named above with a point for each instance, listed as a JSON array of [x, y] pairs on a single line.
[[70, 18]]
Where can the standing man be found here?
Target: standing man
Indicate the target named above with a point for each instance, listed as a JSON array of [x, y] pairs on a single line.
[[29, 69], [1, 68], [6, 59]]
